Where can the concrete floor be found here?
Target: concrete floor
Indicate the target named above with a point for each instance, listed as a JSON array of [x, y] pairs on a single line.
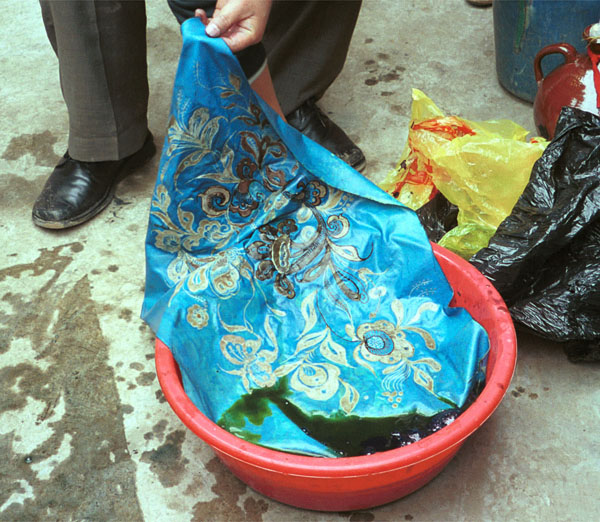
[[85, 431]]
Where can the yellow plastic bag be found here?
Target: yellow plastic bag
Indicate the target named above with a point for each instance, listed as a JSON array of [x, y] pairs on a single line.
[[481, 167]]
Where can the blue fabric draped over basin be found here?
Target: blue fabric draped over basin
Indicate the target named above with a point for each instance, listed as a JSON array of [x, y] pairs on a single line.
[[303, 305]]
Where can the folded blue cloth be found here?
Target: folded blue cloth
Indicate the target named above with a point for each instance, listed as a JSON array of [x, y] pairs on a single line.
[[303, 305]]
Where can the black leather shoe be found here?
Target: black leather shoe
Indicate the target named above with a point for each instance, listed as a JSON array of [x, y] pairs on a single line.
[[78, 190], [315, 124]]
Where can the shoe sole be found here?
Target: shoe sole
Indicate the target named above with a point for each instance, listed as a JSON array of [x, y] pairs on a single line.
[[128, 167], [360, 166]]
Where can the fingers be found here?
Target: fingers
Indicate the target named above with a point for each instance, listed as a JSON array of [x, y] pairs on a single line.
[[240, 23], [224, 18], [201, 13], [237, 41]]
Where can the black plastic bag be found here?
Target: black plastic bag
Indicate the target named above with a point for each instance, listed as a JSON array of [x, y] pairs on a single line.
[[544, 259], [438, 216]]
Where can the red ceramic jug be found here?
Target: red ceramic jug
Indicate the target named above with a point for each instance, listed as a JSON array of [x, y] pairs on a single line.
[[571, 84]]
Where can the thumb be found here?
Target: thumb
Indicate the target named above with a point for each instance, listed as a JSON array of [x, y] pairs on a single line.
[[223, 19]]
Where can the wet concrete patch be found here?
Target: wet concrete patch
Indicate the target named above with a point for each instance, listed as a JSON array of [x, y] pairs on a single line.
[[228, 490], [398, 108], [166, 461], [361, 516], [66, 456], [31, 313], [385, 76], [40, 145], [125, 314], [160, 397], [440, 67], [145, 378], [382, 71], [157, 430], [518, 391], [17, 192]]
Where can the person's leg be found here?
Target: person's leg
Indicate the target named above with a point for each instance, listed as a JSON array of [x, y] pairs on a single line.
[[307, 44], [101, 48], [262, 84]]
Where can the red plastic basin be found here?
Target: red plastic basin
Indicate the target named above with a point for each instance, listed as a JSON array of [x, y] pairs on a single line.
[[344, 484]]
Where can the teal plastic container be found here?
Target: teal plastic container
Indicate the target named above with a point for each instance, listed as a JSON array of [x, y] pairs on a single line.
[[523, 27]]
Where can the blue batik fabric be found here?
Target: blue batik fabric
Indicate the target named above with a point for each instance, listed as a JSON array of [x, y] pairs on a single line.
[[303, 305]]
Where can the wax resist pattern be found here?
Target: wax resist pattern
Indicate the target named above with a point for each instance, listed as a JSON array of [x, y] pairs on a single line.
[[303, 305]]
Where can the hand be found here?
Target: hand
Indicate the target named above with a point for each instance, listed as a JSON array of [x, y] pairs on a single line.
[[240, 23]]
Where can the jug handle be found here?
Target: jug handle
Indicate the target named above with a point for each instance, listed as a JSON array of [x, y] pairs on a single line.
[[567, 50]]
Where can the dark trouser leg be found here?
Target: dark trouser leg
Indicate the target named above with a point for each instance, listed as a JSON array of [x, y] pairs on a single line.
[[307, 43], [101, 49]]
